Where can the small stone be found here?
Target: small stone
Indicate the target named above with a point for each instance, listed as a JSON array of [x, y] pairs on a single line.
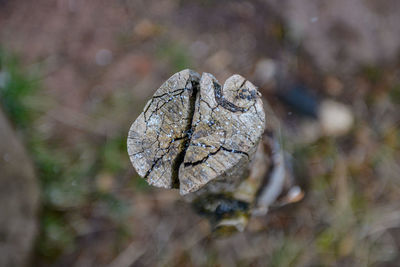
[[336, 119]]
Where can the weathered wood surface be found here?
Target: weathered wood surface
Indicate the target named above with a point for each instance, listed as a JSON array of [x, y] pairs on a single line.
[[217, 145], [158, 137], [195, 134]]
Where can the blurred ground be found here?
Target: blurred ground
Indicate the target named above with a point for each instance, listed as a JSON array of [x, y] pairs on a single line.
[[74, 75]]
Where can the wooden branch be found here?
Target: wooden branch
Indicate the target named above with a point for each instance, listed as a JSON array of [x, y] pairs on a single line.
[[204, 139], [196, 135]]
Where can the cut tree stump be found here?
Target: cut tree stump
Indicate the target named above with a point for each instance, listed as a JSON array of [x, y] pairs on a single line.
[[204, 139]]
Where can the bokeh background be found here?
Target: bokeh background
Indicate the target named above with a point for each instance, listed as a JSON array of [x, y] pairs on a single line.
[[75, 74]]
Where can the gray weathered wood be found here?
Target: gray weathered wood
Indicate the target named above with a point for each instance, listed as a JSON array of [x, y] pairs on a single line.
[[227, 126], [157, 138], [213, 143], [196, 134]]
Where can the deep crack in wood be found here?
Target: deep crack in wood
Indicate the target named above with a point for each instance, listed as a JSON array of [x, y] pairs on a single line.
[[195, 134]]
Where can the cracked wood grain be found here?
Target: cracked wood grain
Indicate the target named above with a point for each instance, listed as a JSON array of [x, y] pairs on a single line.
[[197, 135], [159, 135]]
